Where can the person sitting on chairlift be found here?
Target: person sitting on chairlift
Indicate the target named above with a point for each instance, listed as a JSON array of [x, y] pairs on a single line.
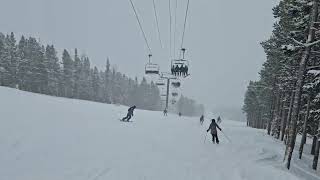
[[181, 70], [176, 70], [187, 69]]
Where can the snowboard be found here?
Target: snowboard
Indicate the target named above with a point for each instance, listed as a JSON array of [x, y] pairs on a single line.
[[124, 121]]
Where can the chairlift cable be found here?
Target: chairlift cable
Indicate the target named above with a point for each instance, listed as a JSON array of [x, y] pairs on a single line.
[[140, 25], [157, 22], [170, 26], [184, 26], [175, 28]]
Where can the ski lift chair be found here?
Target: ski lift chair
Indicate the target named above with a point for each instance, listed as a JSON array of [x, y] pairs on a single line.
[[160, 82], [176, 84], [180, 63], [175, 94], [151, 68], [173, 101]]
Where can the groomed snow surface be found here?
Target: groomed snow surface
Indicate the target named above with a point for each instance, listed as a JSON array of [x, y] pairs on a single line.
[[50, 138]]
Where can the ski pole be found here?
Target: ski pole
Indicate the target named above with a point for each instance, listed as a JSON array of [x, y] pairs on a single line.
[[226, 136], [205, 138]]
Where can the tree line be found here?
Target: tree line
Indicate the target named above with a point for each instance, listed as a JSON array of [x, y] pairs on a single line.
[[286, 98], [30, 66], [189, 107]]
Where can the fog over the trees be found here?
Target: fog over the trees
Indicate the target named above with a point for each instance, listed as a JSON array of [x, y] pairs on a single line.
[[222, 38]]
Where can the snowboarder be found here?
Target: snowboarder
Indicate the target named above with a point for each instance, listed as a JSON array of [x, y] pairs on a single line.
[[129, 114], [213, 127], [219, 120], [165, 112], [201, 119]]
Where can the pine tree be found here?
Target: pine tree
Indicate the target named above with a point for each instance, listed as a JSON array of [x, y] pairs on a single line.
[[53, 70], [85, 86], [24, 67], [77, 75], [13, 59], [107, 84], [5, 62], [96, 84], [68, 66]]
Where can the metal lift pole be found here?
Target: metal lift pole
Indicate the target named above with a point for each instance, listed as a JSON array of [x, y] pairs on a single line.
[[167, 98]]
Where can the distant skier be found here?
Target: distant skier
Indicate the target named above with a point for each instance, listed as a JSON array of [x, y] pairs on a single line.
[[129, 114], [213, 127], [201, 119], [180, 114], [165, 112], [219, 120]]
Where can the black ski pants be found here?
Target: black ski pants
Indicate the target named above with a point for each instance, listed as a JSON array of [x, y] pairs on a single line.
[[215, 138], [128, 117]]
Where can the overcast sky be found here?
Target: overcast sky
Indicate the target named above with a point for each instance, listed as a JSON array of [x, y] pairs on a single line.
[[222, 38]]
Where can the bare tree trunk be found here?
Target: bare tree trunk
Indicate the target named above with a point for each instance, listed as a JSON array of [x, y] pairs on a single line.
[[274, 125], [281, 114], [314, 143], [316, 153], [271, 113], [304, 133], [261, 120], [289, 118], [283, 121], [250, 119], [300, 81]]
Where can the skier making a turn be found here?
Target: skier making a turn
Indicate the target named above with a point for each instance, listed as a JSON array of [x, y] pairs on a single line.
[[201, 119], [165, 112], [129, 114], [213, 127], [219, 120]]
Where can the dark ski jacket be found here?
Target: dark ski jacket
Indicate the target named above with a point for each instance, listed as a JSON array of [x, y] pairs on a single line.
[[213, 126], [130, 110]]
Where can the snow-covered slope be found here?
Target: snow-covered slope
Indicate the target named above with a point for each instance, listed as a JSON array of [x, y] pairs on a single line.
[[49, 138]]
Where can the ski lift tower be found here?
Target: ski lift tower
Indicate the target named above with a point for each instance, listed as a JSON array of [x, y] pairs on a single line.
[[168, 77]]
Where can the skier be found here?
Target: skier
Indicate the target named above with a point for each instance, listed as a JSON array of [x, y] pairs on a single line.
[[176, 70], [172, 69], [129, 114], [186, 69], [165, 112], [219, 120], [180, 114], [201, 119], [181, 70], [213, 127]]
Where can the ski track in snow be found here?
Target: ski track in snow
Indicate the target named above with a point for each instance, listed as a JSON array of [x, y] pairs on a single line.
[[51, 138]]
